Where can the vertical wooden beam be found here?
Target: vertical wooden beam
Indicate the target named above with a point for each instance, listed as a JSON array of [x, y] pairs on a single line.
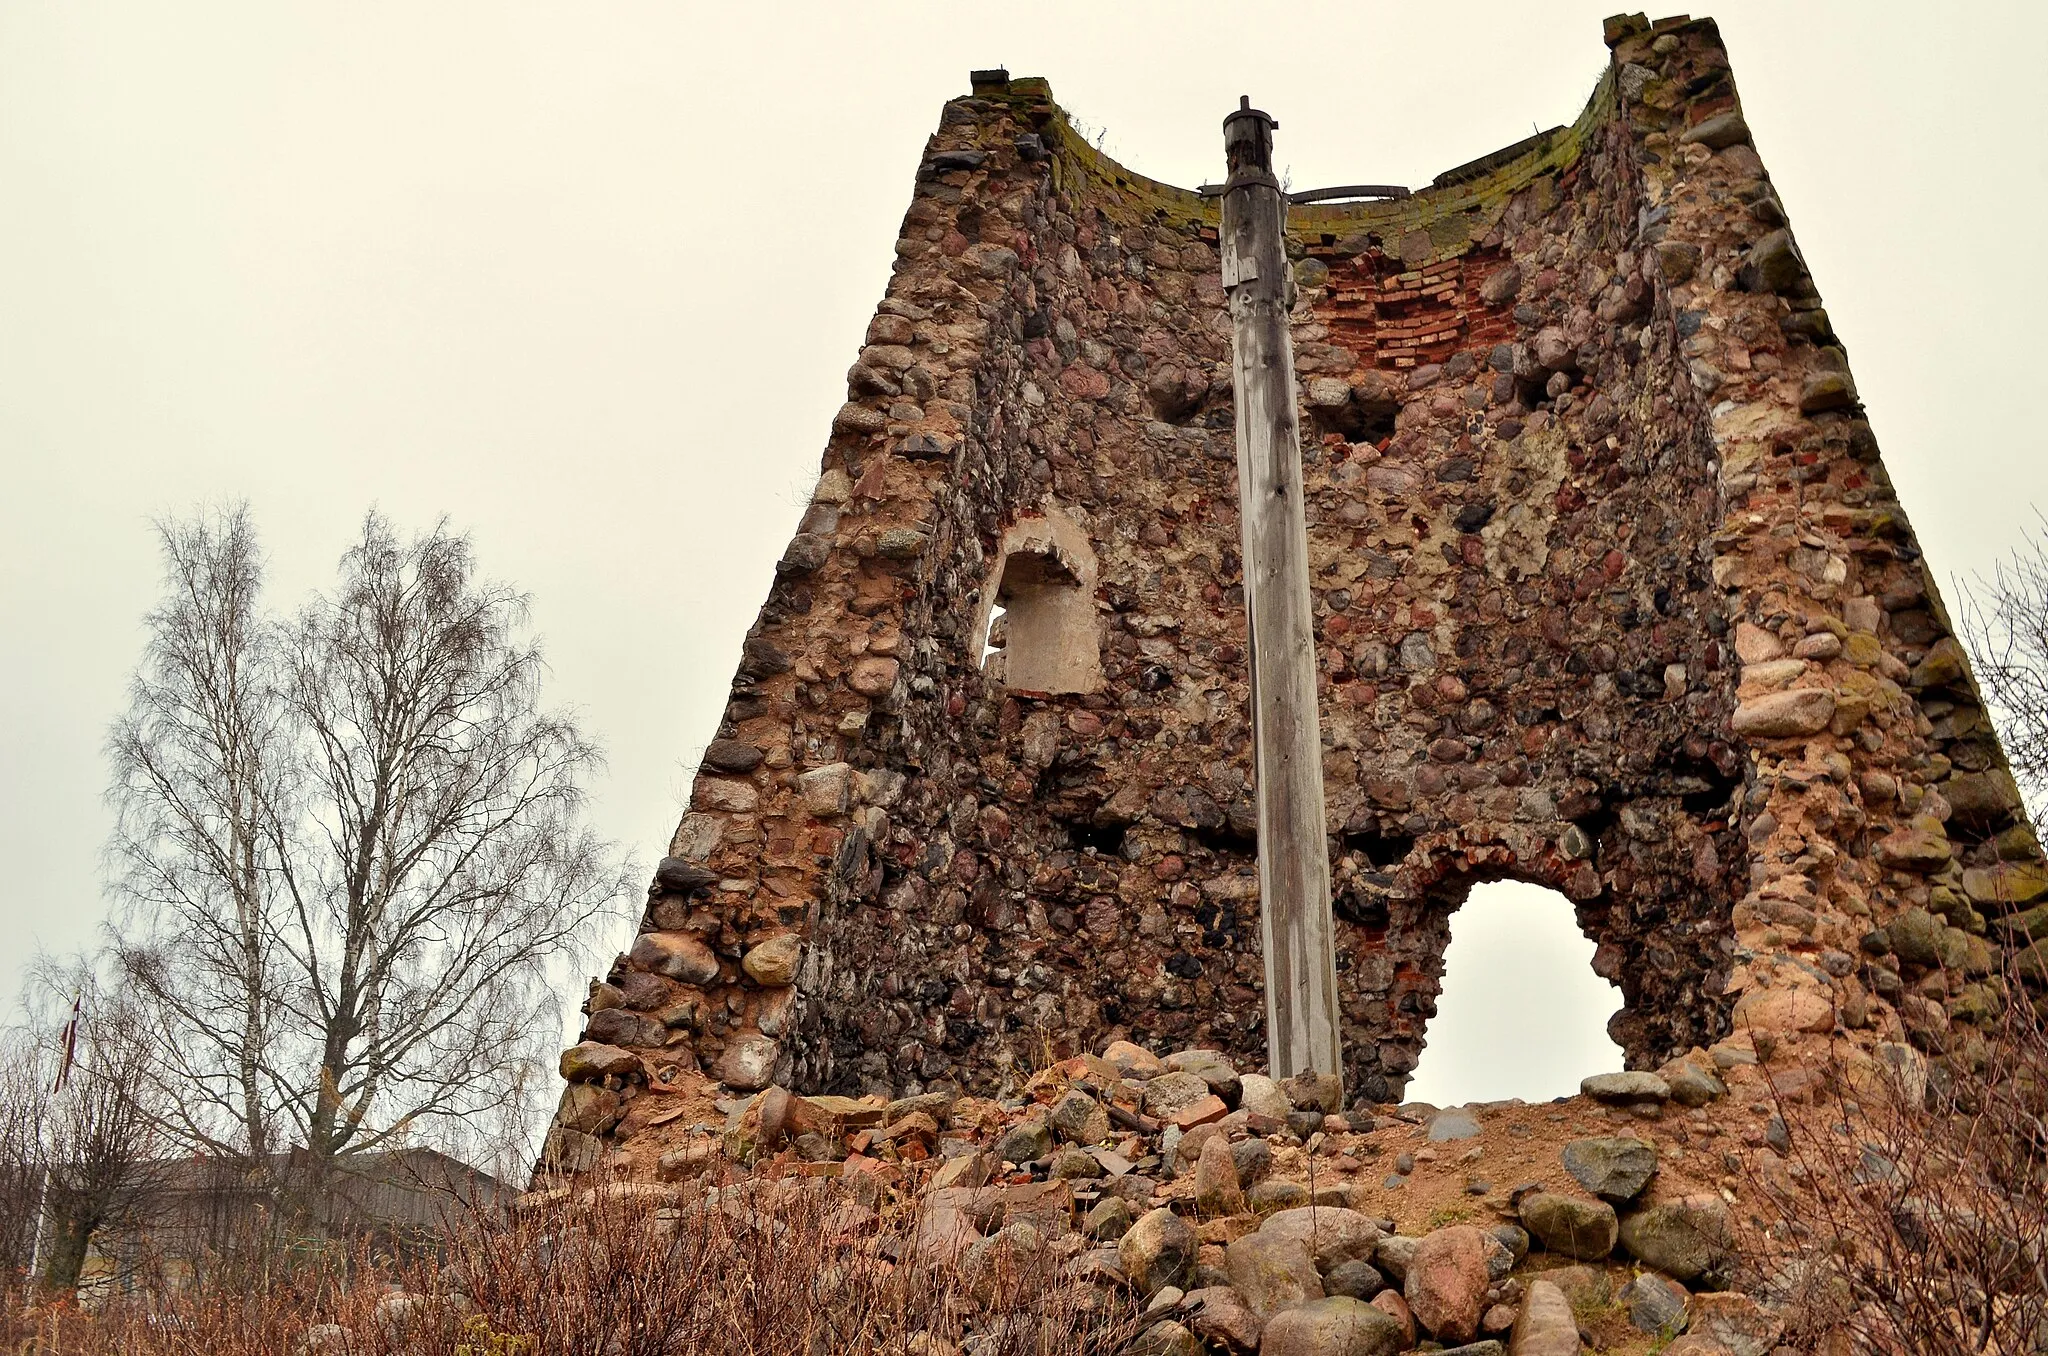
[[1294, 869]]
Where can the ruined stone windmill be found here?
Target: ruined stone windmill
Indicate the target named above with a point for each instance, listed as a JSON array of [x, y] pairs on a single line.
[[1602, 585]]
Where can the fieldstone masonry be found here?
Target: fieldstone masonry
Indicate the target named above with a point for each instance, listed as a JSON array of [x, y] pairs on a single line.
[[1612, 592]]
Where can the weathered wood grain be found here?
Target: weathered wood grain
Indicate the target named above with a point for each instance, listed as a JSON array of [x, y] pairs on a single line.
[[1295, 924]]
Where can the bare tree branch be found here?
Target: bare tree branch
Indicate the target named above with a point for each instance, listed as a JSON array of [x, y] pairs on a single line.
[[353, 845], [24, 1133], [105, 1150], [1909, 1210], [2005, 623]]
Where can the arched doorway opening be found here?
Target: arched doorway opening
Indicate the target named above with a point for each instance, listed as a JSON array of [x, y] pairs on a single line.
[[1521, 1013]]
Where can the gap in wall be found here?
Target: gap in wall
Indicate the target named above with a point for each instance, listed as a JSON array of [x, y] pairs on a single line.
[[992, 639], [1521, 1013]]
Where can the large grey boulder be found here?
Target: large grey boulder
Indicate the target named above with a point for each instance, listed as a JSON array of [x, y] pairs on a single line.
[[1656, 1304], [1109, 1220], [1078, 1118], [1332, 1234], [1336, 1326], [1570, 1226], [1691, 1084], [1170, 1092], [1212, 1067], [1254, 1160], [1158, 1251], [1360, 1280], [1271, 1272], [1219, 1314], [1625, 1088], [1684, 1239], [1261, 1096], [1025, 1142], [1613, 1167]]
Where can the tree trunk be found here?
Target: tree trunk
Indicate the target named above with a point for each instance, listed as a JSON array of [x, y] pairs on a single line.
[[70, 1237]]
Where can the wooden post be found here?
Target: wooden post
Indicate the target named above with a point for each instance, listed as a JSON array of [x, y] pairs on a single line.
[[1294, 869]]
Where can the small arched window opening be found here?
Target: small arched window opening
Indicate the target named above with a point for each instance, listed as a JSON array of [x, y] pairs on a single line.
[[1038, 632], [1521, 1013]]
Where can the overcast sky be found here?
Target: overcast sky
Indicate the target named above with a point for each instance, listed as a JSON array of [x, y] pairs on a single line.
[[587, 279]]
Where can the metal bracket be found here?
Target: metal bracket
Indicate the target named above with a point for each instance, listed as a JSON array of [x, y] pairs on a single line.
[[1387, 192], [1242, 179]]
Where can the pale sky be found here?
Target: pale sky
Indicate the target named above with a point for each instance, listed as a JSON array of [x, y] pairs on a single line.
[[1522, 1014], [587, 278]]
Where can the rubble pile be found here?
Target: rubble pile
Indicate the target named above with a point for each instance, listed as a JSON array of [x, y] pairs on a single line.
[[1245, 1214]]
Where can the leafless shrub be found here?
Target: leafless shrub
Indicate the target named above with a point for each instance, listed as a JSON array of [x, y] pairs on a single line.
[[350, 847], [756, 1267], [244, 1301], [763, 1265], [1907, 1210]]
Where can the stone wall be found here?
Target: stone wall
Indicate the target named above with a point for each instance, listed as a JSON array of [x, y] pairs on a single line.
[[1612, 594]]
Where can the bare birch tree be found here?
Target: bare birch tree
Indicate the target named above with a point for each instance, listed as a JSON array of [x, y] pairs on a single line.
[[2005, 622], [198, 766], [351, 845]]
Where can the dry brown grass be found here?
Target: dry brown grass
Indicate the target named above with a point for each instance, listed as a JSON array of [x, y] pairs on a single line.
[[758, 1268]]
